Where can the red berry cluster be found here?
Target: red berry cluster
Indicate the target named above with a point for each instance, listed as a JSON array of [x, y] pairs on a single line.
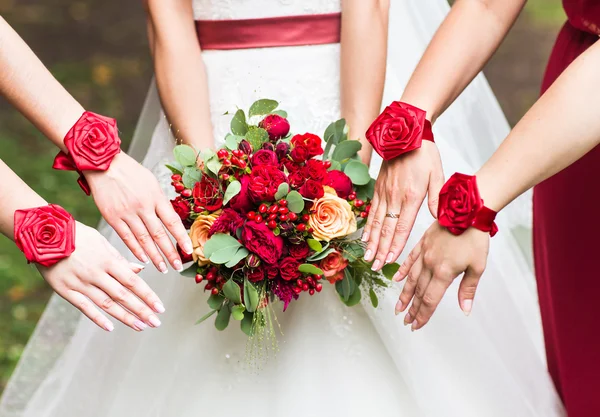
[[179, 187], [360, 207], [310, 284], [276, 214], [236, 158], [214, 281]]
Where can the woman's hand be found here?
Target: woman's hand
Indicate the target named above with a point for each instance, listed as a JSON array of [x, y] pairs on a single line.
[[432, 266], [96, 276], [400, 190], [130, 199]]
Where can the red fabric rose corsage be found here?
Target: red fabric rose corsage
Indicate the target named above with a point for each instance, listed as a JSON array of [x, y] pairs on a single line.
[[45, 234], [92, 143], [401, 128], [461, 207]]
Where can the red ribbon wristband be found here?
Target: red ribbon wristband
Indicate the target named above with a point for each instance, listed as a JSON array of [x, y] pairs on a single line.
[[461, 207], [399, 129], [45, 234], [92, 143]]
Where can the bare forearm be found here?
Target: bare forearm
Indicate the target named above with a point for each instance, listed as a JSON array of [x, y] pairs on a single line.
[[29, 86], [180, 72], [14, 195], [363, 60], [463, 44], [561, 128]]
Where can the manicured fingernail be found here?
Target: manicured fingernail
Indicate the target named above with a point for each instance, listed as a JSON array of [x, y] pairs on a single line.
[[390, 258], [398, 307], [109, 326], [414, 325], [407, 320], [139, 325], [365, 236], [145, 259], [467, 307], [376, 264], [178, 266], [396, 277], [163, 267], [188, 247], [368, 255], [159, 307], [136, 266], [154, 321]]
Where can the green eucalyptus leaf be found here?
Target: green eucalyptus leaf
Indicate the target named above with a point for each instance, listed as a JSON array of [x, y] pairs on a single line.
[[282, 191], [175, 168], [320, 255], [295, 202], [232, 190], [238, 256], [390, 270], [335, 166], [310, 269], [358, 172], [373, 297], [222, 320], [239, 127], [237, 312], [232, 291], [281, 113], [215, 301], [190, 272], [365, 192], [353, 252], [315, 245], [250, 296], [232, 141], [191, 175], [256, 137], [220, 241], [207, 154], [354, 298], [246, 324], [206, 316], [185, 155], [264, 106], [346, 149], [214, 165], [345, 287]]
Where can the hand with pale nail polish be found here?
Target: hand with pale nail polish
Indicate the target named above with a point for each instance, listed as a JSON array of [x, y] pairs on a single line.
[[96, 277], [400, 190], [432, 266]]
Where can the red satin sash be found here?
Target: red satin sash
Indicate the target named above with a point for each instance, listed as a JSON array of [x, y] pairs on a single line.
[[269, 32]]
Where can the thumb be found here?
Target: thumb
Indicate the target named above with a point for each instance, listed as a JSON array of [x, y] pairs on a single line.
[[467, 290], [436, 182]]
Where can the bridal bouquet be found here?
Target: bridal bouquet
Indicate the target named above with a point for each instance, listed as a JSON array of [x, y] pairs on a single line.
[[273, 216]]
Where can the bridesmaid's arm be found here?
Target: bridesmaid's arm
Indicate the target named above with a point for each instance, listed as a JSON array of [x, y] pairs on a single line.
[[127, 194], [465, 41], [94, 277], [180, 72], [559, 129], [363, 59]]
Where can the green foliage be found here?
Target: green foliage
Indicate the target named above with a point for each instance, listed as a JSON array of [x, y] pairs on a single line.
[[233, 189], [185, 155], [256, 136], [262, 107], [310, 269], [239, 126], [358, 173], [295, 202]]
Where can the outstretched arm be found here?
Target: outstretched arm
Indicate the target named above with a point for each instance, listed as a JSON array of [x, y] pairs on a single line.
[[180, 72], [94, 276], [363, 60], [560, 128], [127, 194]]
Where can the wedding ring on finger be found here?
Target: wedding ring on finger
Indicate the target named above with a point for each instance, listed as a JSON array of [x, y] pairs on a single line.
[[392, 215]]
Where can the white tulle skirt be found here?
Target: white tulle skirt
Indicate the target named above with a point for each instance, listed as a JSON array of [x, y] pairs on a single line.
[[332, 360]]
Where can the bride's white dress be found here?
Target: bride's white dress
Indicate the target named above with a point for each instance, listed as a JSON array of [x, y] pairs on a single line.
[[332, 360]]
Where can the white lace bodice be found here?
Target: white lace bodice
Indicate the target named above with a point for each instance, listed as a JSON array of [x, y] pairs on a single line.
[[252, 9]]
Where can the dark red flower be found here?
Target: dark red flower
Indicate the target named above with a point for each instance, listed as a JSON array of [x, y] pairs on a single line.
[[255, 274], [299, 251], [183, 210], [284, 290], [228, 222], [242, 203], [276, 126], [312, 189], [340, 182], [271, 271], [299, 154], [282, 150], [264, 182], [259, 239], [310, 143], [264, 157], [207, 194], [288, 269], [315, 170], [185, 257], [297, 178], [289, 165]]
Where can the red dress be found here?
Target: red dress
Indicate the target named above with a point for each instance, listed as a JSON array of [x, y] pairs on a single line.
[[566, 233]]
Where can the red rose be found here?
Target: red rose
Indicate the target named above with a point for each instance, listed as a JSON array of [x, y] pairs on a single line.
[[264, 157], [288, 269], [207, 194], [271, 271], [185, 257], [290, 165], [93, 142], [333, 267], [299, 154], [340, 182], [277, 126], [258, 238], [45, 234], [255, 274], [312, 189], [459, 203], [315, 170], [399, 129], [183, 209], [297, 178], [264, 181], [299, 251], [311, 143], [242, 202], [228, 222]]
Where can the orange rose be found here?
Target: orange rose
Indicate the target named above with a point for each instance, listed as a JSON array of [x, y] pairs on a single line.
[[333, 266], [199, 235], [331, 217]]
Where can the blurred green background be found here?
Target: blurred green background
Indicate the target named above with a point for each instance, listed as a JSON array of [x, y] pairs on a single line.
[[98, 51]]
